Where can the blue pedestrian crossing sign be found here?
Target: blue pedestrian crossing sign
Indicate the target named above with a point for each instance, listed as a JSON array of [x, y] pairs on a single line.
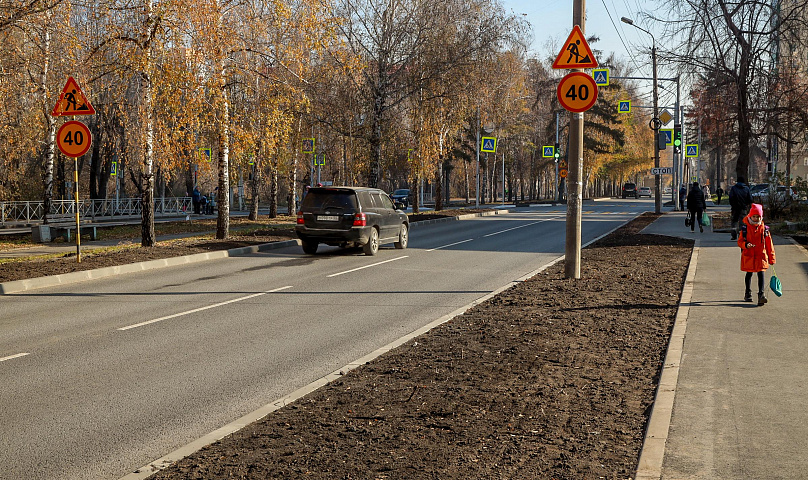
[[489, 145], [601, 76], [548, 151], [692, 150], [668, 135], [308, 145], [205, 153], [624, 106], [113, 169]]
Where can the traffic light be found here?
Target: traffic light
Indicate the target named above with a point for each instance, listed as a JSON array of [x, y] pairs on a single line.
[[662, 141], [557, 152], [677, 139]]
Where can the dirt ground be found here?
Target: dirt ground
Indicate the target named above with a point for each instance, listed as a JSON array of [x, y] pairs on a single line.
[[551, 379], [129, 250]]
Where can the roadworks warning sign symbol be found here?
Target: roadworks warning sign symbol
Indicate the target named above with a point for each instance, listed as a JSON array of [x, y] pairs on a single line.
[[576, 52], [72, 101]]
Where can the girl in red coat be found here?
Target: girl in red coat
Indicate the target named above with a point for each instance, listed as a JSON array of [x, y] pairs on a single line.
[[757, 250]]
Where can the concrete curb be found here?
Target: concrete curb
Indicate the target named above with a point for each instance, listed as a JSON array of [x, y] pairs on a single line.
[[74, 277], [652, 454], [17, 286]]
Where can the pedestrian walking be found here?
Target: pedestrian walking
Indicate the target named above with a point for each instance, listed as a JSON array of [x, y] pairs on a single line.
[[696, 206], [757, 251], [203, 204], [740, 198], [719, 192], [196, 198], [682, 195]]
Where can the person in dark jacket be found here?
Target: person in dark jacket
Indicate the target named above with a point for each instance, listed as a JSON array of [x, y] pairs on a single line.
[[696, 206], [682, 195], [720, 193], [196, 198], [740, 199]]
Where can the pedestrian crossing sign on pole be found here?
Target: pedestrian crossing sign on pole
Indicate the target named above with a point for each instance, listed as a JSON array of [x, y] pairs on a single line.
[[113, 169], [319, 159], [668, 135], [548, 151], [205, 153], [624, 106], [601, 77], [308, 145], [692, 150], [489, 145]]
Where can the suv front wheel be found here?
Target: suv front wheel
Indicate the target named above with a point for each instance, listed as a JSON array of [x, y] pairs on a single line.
[[403, 237], [372, 247]]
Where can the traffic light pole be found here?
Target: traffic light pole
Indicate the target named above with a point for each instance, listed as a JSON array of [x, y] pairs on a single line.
[[557, 158]]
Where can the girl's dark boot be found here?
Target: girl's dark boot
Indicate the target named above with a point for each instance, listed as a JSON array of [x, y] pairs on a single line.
[[762, 299], [747, 296]]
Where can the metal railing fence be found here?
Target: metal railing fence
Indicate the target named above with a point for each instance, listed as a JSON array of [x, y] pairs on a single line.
[[99, 209]]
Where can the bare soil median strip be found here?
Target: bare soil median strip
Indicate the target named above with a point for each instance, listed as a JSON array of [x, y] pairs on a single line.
[[552, 378]]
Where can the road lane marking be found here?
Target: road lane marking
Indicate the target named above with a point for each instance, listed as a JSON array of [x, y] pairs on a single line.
[[367, 266], [520, 226], [450, 245], [12, 357], [200, 309]]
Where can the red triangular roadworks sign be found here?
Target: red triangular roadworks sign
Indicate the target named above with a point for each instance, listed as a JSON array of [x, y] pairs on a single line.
[[72, 101], [576, 52]]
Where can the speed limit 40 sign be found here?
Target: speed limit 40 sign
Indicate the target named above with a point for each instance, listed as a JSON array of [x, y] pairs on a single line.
[[74, 138], [577, 92]]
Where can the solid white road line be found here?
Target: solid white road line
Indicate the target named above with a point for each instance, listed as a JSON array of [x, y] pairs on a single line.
[[203, 308], [450, 245], [11, 357], [367, 266]]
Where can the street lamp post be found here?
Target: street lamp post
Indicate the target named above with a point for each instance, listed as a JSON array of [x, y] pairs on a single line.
[[655, 122]]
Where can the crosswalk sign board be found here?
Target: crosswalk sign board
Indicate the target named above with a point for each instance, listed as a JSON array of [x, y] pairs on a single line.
[[113, 170], [489, 145], [601, 77], [668, 135], [308, 145], [692, 150], [548, 151], [575, 52], [205, 153], [72, 101], [624, 106]]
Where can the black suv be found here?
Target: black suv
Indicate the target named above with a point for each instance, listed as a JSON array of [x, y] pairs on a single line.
[[630, 190], [402, 196], [350, 216]]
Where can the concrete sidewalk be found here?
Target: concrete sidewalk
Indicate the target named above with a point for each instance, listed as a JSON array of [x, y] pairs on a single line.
[[739, 409]]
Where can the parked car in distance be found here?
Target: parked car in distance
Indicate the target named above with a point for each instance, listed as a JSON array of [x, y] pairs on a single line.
[[350, 217], [667, 191], [630, 190], [401, 196], [644, 192], [759, 192]]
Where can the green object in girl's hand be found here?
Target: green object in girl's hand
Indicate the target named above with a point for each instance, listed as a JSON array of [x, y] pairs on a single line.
[[705, 219], [775, 285]]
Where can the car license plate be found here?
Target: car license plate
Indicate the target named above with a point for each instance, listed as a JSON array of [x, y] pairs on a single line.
[[327, 218]]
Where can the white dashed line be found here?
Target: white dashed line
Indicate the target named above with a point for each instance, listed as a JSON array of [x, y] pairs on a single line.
[[203, 308], [450, 245], [367, 266], [520, 226], [12, 357]]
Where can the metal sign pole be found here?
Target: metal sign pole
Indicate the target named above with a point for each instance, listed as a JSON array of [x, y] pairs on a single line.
[[78, 225], [572, 250]]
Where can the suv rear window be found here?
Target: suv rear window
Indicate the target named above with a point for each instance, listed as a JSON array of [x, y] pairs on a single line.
[[326, 199], [629, 185]]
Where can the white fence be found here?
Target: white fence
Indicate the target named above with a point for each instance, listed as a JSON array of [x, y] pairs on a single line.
[[33, 212]]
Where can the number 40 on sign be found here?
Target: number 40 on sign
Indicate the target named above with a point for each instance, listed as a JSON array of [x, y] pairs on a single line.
[[577, 92]]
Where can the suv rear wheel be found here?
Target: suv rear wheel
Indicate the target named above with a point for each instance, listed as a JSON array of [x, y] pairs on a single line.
[[372, 247], [309, 247], [403, 237]]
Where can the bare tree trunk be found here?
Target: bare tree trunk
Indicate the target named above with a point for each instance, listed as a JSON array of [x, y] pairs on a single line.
[[50, 130], [223, 219], [273, 190], [466, 174], [147, 204], [254, 185]]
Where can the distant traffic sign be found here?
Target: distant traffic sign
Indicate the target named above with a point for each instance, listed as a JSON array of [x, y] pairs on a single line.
[[548, 151], [308, 145], [205, 153], [562, 172], [692, 150], [665, 116], [577, 92], [74, 139], [624, 106], [668, 135], [113, 170], [576, 52], [601, 77], [489, 145], [72, 101], [662, 171]]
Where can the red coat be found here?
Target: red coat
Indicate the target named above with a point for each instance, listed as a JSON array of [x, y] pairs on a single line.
[[758, 257]]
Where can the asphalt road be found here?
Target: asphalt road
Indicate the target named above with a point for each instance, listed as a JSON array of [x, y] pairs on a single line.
[[118, 372]]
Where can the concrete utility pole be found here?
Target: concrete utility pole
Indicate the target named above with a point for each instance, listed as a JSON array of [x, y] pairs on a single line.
[[572, 250]]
